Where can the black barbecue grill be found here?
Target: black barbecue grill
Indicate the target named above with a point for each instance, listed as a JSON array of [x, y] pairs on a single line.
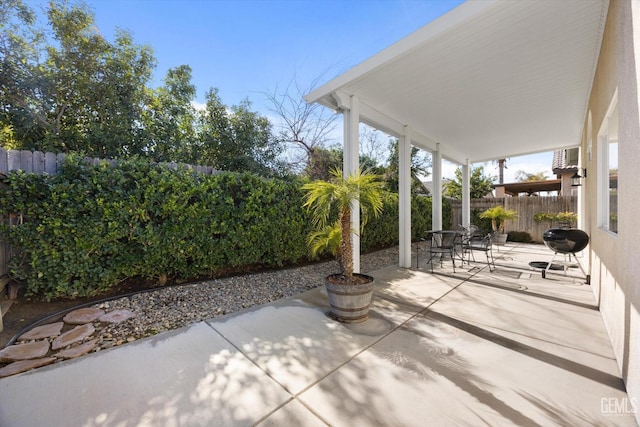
[[565, 241]]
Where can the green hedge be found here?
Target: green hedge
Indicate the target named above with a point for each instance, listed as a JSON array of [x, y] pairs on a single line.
[[383, 231], [91, 227], [484, 224]]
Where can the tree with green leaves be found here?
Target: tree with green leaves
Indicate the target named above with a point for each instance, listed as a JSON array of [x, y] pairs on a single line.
[[322, 162], [522, 176], [77, 92], [420, 165], [236, 138], [170, 118], [20, 77], [480, 185], [325, 160]]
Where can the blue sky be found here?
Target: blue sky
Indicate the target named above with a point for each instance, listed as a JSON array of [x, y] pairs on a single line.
[[248, 47]]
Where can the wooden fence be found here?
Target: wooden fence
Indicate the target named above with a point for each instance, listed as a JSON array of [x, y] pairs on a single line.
[[50, 163], [526, 207], [40, 163]]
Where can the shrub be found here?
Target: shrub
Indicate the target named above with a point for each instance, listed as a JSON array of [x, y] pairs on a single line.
[[543, 216], [89, 228], [484, 224], [519, 236], [383, 231], [568, 218]]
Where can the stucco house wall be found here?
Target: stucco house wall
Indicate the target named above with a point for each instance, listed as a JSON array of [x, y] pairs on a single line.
[[615, 258]]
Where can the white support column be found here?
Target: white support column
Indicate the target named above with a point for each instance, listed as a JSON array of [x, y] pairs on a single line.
[[466, 194], [346, 137], [351, 163], [436, 193], [404, 199]]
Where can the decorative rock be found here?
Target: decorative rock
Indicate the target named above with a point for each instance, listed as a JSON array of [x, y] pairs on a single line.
[[116, 316], [83, 315], [106, 343], [32, 350], [75, 335], [77, 351], [25, 365], [175, 307], [45, 331]]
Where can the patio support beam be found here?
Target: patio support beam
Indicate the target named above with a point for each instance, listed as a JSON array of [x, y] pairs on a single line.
[[436, 193], [466, 195], [351, 163], [404, 199]]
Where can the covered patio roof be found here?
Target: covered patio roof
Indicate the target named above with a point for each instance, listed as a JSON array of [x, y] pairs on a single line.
[[488, 80]]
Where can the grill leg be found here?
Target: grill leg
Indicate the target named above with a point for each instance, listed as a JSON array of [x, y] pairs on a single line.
[[555, 254], [579, 265]]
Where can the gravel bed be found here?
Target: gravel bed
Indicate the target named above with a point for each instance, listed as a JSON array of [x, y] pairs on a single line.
[[177, 306]]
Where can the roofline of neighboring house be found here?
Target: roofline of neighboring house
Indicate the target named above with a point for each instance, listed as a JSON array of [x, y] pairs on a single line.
[[560, 171], [558, 164], [531, 187]]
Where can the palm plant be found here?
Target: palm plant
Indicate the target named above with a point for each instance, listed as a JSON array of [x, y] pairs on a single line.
[[498, 215], [325, 197]]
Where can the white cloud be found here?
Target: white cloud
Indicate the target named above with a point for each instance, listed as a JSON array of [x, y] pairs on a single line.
[[449, 170], [199, 106]]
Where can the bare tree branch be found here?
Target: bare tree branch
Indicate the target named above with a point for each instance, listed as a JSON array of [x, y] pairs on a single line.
[[307, 126], [373, 144]]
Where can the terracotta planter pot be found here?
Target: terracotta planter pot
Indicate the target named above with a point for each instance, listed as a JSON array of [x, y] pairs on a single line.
[[350, 303]]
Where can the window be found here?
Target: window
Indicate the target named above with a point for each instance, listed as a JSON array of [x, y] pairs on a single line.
[[571, 157], [608, 169], [613, 172]]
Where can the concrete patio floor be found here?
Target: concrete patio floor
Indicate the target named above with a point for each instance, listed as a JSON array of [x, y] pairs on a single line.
[[472, 348]]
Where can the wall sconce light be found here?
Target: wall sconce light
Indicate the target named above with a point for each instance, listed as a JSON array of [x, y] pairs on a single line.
[[576, 179]]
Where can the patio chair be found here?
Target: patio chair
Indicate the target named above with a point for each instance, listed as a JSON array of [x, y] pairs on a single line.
[[442, 244], [470, 230], [483, 244], [468, 233]]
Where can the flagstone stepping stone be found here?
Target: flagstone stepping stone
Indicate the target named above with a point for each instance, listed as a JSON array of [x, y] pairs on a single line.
[[32, 350], [77, 350], [25, 365], [116, 316], [45, 331], [75, 335], [83, 315]]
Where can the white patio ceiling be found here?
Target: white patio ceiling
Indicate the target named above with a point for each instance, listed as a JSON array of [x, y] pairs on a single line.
[[488, 80]]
